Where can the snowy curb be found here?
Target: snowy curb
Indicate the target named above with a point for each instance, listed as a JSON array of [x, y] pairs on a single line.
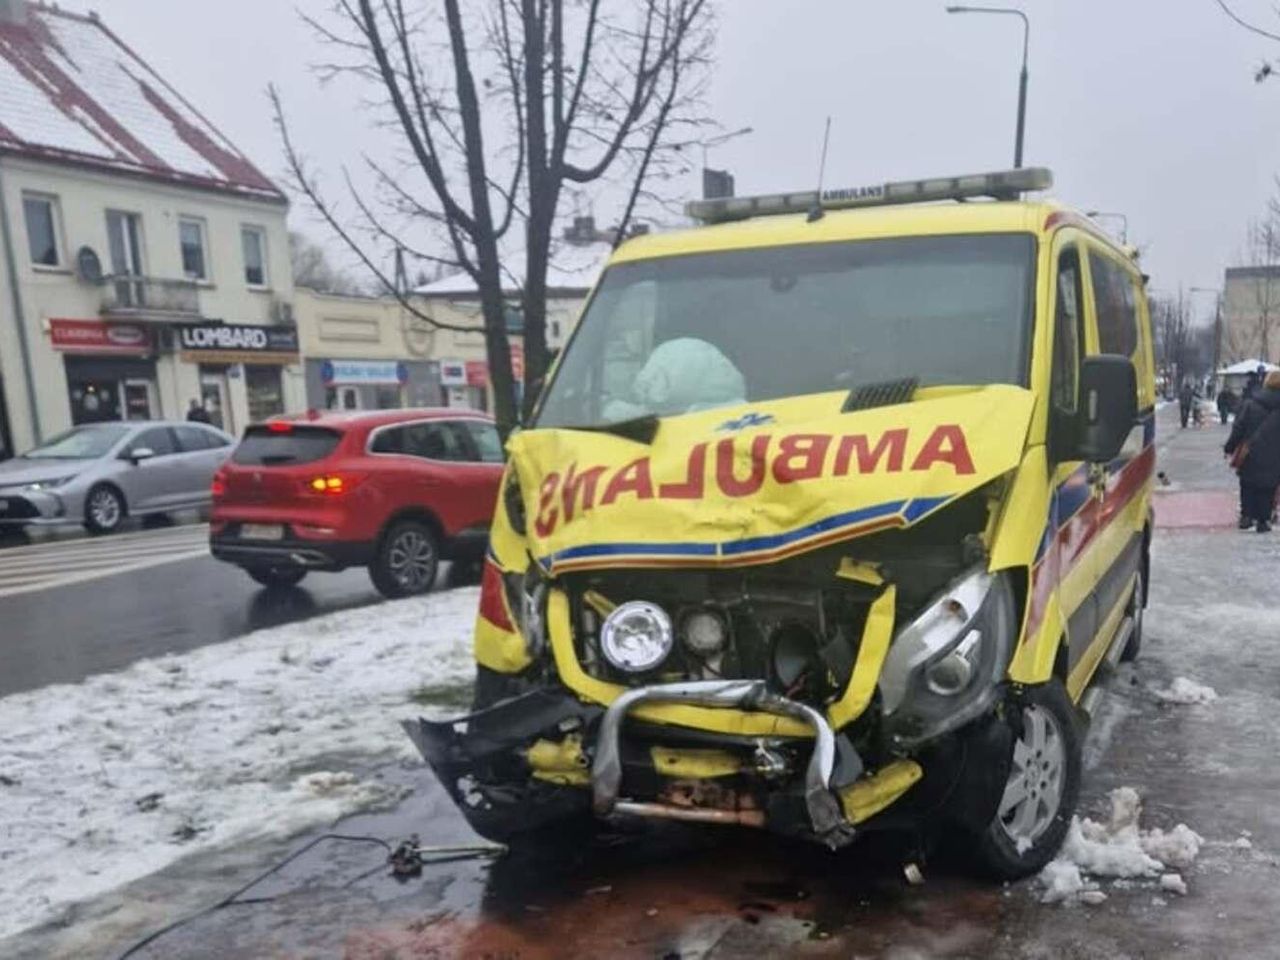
[[112, 779]]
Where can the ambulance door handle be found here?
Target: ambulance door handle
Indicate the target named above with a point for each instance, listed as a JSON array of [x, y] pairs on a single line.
[[1098, 479]]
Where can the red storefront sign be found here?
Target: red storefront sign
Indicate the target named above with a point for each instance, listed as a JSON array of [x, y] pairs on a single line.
[[477, 373], [98, 336]]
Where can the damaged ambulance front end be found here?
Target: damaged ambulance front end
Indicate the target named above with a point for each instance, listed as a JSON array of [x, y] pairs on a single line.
[[724, 592]]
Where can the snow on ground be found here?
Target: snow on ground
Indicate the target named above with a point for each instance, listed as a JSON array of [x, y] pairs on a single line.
[[1184, 690], [108, 780], [1118, 849]]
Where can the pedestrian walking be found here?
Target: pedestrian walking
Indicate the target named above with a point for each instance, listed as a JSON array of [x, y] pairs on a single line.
[[1254, 449], [1226, 403], [1186, 398], [196, 413]]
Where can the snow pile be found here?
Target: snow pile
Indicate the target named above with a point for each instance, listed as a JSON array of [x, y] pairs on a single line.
[[1183, 690], [1117, 849], [112, 779]]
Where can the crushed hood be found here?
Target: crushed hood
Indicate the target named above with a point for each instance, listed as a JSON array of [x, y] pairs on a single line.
[[758, 482]]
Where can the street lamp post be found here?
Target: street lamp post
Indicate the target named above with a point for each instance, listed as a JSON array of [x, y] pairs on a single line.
[[1124, 221], [1022, 79]]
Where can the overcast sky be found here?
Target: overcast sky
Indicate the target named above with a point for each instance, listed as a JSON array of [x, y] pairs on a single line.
[[1142, 106]]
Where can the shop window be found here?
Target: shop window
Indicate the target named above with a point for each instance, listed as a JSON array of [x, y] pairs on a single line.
[[253, 241], [387, 398], [41, 215], [265, 391], [191, 237]]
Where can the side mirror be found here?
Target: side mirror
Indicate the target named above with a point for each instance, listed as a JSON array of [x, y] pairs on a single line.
[[138, 454], [1108, 407]]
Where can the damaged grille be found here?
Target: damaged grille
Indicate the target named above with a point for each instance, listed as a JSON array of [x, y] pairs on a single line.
[[801, 637]]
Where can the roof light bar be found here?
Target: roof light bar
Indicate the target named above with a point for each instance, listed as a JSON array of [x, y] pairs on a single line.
[[1000, 185]]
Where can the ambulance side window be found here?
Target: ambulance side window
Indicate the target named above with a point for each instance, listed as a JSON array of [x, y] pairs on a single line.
[[1067, 324]]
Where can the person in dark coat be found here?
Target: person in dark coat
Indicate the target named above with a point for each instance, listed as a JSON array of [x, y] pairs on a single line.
[[1258, 425], [1186, 399], [196, 413], [1226, 403]]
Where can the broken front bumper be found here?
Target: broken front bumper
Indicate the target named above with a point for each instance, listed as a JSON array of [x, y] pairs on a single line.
[[483, 760]]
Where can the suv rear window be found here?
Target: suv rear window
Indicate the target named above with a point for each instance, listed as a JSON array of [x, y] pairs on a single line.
[[264, 447]]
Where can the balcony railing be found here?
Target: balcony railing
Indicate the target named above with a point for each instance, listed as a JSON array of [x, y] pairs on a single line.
[[133, 296]]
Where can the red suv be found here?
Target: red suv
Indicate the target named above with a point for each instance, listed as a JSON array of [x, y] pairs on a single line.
[[394, 490]]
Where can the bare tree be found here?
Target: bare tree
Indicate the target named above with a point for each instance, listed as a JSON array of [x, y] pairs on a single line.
[[500, 108], [313, 269], [1183, 348]]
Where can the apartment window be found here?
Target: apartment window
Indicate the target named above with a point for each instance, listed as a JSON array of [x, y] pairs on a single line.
[[191, 237], [42, 229], [124, 238], [254, 242]]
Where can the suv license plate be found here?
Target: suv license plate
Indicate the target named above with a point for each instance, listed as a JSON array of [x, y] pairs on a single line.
[[261, 531]]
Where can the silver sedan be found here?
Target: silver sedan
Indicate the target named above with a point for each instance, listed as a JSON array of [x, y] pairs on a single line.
[[97, 474]]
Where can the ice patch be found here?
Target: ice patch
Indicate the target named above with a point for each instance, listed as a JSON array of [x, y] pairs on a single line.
[[1116, 849], [1242, 843], [123, 774], [1186, 691]]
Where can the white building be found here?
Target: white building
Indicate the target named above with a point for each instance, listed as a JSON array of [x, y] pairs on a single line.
[[144, 260]]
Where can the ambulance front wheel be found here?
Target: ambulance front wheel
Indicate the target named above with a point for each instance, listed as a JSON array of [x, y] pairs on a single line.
[[1042, 788]]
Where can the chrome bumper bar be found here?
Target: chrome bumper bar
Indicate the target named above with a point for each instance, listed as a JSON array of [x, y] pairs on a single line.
[[823, 806]]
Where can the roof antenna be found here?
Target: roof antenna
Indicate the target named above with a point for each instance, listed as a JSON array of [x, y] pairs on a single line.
[[816, 213]]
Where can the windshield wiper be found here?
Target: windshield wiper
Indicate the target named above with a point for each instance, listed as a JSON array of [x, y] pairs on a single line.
[[640, 429]]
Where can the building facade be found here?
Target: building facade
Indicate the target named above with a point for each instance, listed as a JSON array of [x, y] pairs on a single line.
[[370, 353], [144, 261], [1251, 314]]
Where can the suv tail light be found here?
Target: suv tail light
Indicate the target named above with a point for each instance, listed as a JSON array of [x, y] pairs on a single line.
[[218, 485], [330, 484]]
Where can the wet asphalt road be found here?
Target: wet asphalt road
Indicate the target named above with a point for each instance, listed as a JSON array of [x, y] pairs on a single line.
[[661, 891], [65, 633]]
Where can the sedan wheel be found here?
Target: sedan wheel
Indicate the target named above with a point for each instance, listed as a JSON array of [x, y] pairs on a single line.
[[407, 560], [103, 510]]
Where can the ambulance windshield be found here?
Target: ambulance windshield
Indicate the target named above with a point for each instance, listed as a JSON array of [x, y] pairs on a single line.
[[679, 334]]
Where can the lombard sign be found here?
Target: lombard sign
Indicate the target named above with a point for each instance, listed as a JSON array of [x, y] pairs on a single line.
[[238, 343], [372, 372]]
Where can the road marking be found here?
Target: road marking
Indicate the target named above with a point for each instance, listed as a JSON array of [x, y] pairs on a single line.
[[82, 576], [46, 566]]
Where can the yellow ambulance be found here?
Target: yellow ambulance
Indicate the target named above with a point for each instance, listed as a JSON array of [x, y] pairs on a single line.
[[831, 515]]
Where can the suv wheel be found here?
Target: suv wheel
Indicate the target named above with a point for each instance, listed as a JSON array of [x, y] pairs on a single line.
[[1043, 787], [277, 576], [407, 560], [104, 509]]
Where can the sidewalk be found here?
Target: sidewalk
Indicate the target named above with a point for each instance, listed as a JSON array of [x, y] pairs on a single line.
[[1201, 492]]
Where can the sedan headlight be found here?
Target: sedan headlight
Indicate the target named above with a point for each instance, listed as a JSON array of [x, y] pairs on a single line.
[[945, 666], [636, 636], [49, 484]]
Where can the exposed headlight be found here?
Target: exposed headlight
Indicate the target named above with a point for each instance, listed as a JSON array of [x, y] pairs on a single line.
[[944, 667], [49, 484], [636, 636], [513, 501]]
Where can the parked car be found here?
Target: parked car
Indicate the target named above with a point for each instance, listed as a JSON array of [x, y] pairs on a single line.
[[393, 490], [99, 473]]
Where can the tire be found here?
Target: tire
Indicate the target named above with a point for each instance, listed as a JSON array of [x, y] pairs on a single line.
[[407, 560], [1137, 603], [104, 509], [277, 576], [1025, 835]]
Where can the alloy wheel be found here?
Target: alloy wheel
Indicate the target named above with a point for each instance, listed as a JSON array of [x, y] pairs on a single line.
[[1033, 792], [411, 560], [104, 508]]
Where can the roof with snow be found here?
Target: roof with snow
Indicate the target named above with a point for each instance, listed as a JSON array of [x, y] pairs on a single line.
[[1246, 366], [573, 269], [72, 91]]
